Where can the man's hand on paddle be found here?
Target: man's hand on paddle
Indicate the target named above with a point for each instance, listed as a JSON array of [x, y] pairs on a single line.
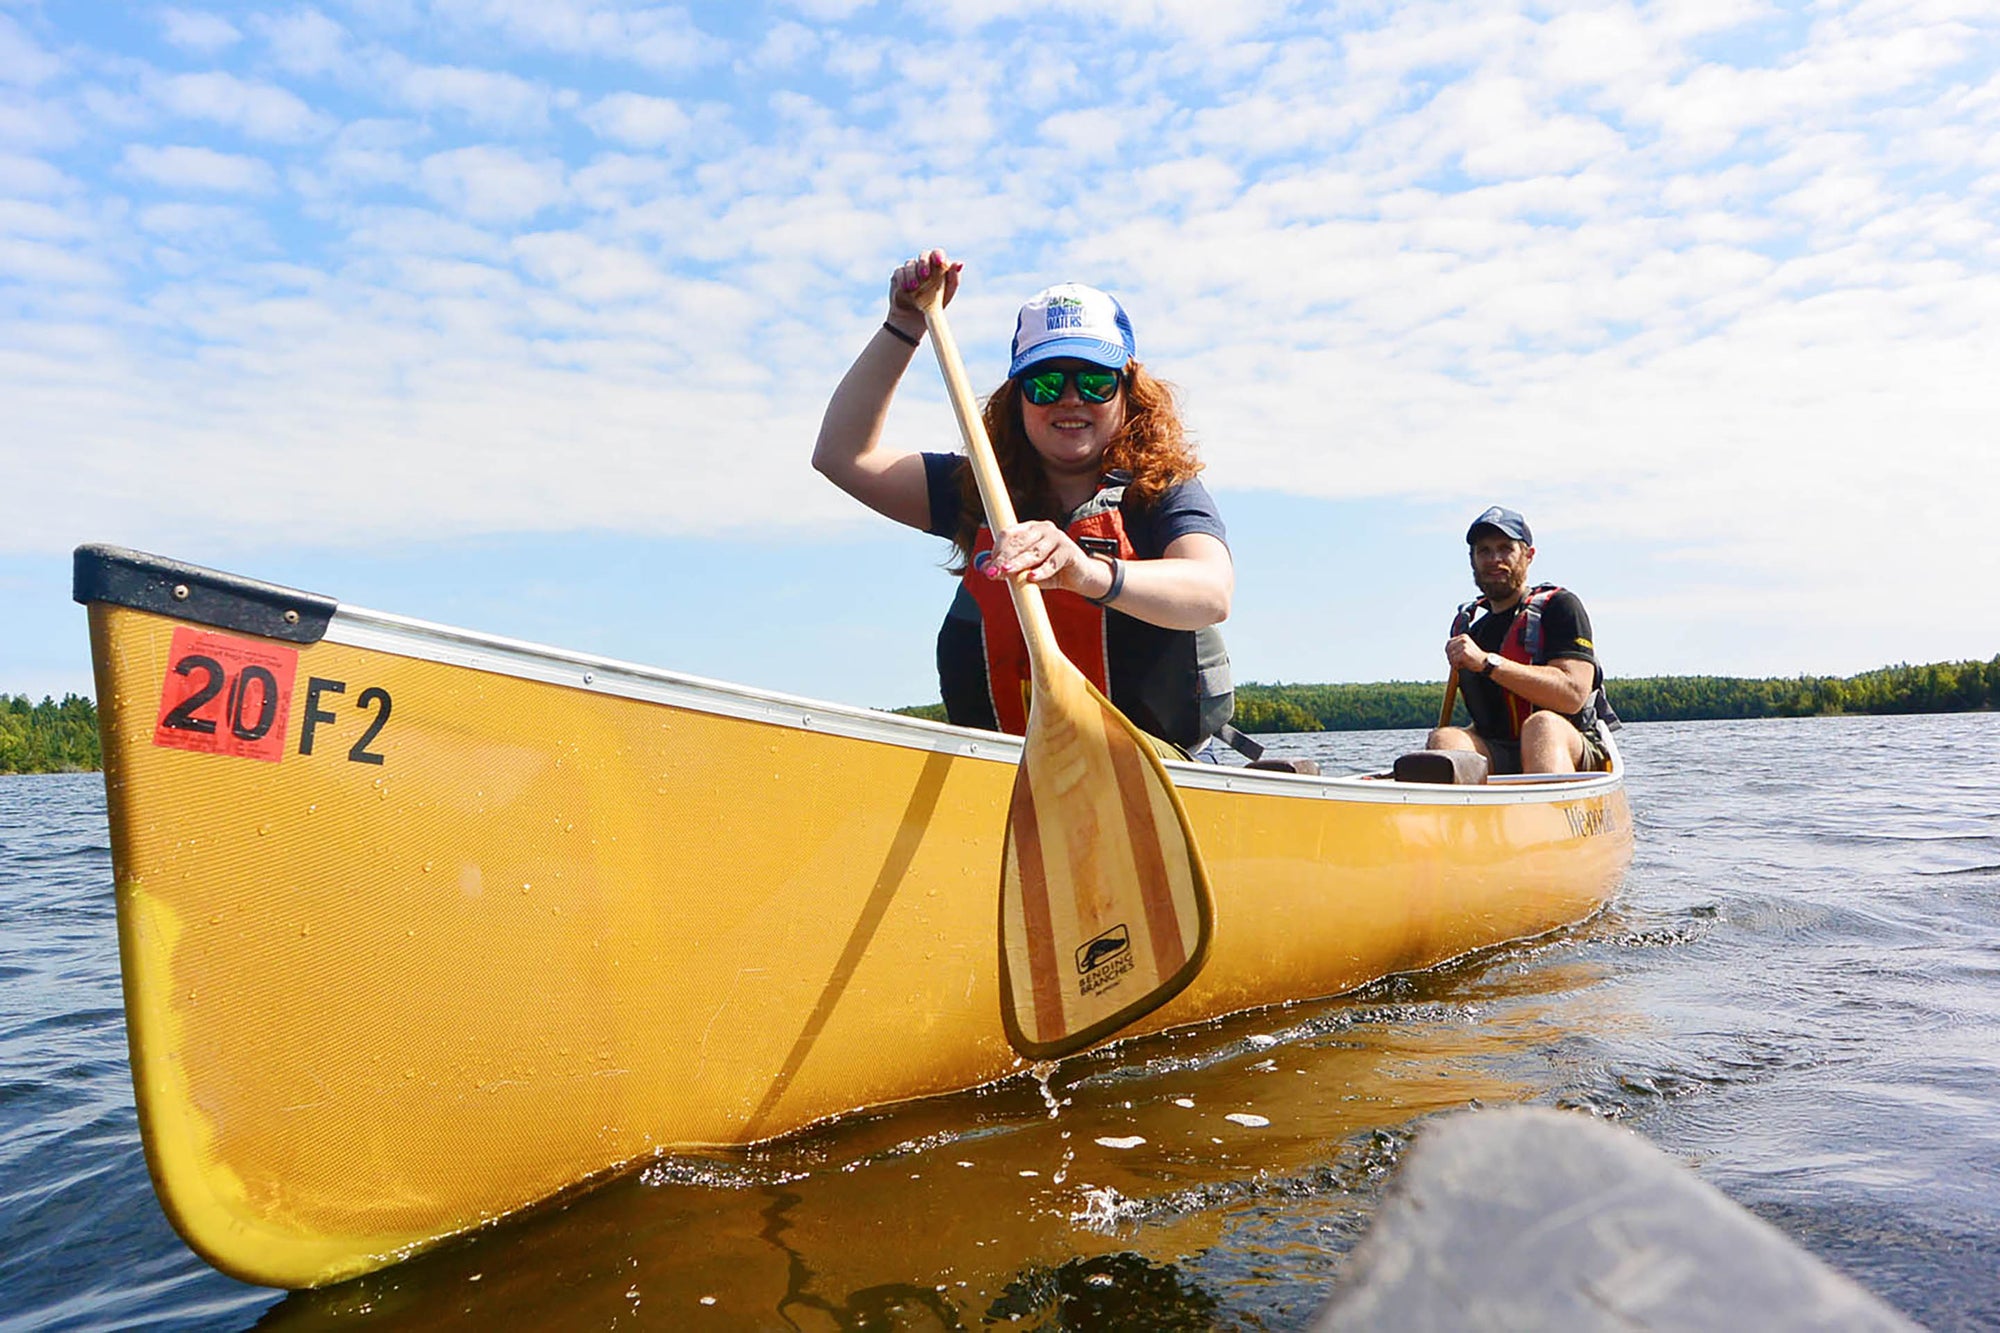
[[1465, 655], [1563, 685]]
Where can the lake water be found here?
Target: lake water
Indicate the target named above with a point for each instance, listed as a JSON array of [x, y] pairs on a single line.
[[1797, 992]]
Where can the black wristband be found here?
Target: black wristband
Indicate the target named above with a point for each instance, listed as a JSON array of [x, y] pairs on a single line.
[[900, 336], [1117, 583], [1491, 662]]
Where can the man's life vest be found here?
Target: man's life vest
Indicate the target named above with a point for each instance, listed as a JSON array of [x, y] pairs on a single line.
[[1523, 643], [1173, 684]]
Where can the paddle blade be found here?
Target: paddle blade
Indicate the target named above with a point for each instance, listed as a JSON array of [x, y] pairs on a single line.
[[1105, 911]]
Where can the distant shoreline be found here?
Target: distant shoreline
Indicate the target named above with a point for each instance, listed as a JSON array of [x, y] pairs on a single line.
[[49, 737], [1938, 687], [61, 737]]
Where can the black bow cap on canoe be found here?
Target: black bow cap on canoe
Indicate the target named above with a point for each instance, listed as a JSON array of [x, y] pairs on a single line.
[[154, 583]]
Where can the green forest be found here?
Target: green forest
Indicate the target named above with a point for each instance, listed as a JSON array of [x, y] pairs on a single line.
[[1941, 687], [48, 737], [52, 737]]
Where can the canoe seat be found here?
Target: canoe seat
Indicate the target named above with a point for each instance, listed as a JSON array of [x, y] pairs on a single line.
[[1307, 766], [1460, 768]]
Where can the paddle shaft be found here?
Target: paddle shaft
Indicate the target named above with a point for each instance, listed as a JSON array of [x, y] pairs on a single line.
[[1450, 697], [1035, 625], [1105, 905]]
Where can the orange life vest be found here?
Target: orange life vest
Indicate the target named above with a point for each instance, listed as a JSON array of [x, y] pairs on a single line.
[[1080, 625]]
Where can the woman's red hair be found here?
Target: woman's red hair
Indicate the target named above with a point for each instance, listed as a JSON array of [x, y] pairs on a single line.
[[1152, 447]]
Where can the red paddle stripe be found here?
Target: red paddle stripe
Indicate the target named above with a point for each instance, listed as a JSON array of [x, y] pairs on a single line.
[[1162, 921], [1046, 985]]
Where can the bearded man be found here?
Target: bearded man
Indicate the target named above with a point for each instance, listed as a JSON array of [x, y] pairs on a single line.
[[1526, 666]]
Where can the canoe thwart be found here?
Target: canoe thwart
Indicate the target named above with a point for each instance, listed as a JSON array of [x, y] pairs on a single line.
[[1254, 753], [1461, 768]]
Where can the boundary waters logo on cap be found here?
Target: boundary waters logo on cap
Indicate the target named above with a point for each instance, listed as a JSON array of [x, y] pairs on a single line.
[[1072, 320]]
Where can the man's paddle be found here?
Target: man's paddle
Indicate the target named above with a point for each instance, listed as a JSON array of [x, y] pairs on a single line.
[[1105, 910], [1450, 697]]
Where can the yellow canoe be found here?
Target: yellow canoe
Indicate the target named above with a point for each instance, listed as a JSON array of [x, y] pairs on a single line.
[[420, 927]]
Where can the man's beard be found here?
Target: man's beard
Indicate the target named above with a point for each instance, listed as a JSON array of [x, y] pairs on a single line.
[[1505, 585]]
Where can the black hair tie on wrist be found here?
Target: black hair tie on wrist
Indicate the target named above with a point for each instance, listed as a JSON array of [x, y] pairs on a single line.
[[1117, 583], [900, 336]]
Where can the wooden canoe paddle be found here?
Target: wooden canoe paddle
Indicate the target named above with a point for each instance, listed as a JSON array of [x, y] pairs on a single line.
[[1450, 697], [1105, 910]]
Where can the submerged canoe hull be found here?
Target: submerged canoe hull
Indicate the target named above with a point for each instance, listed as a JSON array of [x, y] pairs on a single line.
[[429, 927]]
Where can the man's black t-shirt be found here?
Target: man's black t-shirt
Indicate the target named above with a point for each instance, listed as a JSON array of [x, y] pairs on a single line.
[[1565, 633]]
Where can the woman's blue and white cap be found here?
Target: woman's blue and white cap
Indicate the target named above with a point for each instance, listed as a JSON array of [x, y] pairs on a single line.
[[1070, 319]]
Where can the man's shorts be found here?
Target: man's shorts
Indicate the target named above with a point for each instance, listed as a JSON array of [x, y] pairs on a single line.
[[1506, 755]]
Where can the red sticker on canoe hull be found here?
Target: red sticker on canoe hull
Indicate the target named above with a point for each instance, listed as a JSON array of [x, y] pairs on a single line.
[[225, 695]]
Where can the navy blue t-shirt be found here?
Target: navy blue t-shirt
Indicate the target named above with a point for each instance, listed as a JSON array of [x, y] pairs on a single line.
[[1185, 508]]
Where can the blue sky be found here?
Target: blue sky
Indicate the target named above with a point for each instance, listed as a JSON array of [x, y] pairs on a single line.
[[521, 315]]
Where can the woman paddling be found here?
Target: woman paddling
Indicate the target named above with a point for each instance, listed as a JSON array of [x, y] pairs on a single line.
[[1114, 524]]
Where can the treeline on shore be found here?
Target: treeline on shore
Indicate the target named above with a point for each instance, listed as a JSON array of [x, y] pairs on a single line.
[[1939, 687], [48, 737]]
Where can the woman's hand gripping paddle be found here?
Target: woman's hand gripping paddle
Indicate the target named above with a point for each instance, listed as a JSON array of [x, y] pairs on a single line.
[[1105, 911]]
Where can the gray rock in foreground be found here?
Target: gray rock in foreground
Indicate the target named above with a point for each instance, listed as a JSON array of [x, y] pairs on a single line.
[[1531, 1219]]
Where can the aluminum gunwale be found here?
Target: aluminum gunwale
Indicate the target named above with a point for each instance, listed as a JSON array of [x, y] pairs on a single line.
[[403, 636]]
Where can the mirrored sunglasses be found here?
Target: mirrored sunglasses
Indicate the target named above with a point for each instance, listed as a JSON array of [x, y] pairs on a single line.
[[1093, 386]]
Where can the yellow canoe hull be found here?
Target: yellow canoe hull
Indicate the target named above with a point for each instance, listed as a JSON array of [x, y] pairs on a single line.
[[430, 926]]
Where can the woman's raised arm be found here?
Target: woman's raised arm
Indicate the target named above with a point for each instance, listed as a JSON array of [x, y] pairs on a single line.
[[849, 450]]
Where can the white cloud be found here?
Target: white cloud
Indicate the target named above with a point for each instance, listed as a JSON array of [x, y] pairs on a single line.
[[828, 11], [198, 30], [1200, 20], [392, 237], [636, 120], [22, 218], [784, 45], [1079, 139], [119, 111], [207, 227], [589, 270], [305, 41], [255, 110], [28, 176], [489, 184], [661, 37], [1502, 130], [29, 122], [41, 263], [1610, 47], [191, 167], [22, 60], [483, 97]]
